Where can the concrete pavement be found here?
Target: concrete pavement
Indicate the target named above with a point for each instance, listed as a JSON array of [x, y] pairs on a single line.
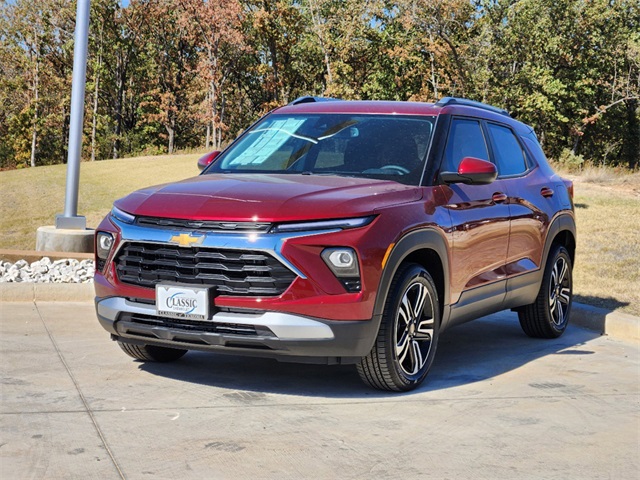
[[496, 405]]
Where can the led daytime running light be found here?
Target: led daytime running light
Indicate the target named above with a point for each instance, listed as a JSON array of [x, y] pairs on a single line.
[[122, 216], [341, 224]]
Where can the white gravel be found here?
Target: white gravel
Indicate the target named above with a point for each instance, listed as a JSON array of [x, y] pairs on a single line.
[[66, 270]]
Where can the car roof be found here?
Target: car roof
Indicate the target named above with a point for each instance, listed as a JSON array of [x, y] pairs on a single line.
[[385, 107], [381, 107]]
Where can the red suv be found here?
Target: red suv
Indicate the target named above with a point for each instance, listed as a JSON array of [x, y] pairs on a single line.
[[343, 232]]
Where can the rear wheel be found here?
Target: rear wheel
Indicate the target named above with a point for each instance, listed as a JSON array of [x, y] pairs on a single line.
[[151, 353], [548, 316], [406, 344]]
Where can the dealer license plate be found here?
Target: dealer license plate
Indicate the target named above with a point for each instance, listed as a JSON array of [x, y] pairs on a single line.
[[191, 303]]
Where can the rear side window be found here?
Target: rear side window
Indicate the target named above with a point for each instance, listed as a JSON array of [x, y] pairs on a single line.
[[508, 152], [465, 140]]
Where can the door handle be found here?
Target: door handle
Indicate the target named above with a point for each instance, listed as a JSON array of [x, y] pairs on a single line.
[[546, 192], [499, 197]]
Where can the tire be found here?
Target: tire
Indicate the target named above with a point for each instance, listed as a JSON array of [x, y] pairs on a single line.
[[548, 316], [151, 353], [406, 343]]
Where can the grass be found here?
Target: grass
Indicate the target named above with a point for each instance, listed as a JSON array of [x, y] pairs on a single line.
[[32, 197], [611, 177], [607, 270], [607, 267]]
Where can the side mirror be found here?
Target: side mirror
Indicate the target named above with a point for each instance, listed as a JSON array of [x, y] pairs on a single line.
[[472, 171], [204, 161]]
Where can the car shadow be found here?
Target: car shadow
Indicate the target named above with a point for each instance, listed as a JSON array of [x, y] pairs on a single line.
[[608, 303], [470, 353]]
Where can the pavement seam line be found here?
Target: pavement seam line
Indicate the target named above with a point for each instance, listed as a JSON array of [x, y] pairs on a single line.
[[82, 397], [404, 401]]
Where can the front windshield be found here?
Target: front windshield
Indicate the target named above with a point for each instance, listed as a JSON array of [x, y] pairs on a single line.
[[390, 147]]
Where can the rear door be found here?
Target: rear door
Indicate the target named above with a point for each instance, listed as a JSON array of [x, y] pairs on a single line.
[[530, 207]]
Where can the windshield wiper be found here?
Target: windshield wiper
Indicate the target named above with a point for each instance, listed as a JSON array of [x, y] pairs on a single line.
[[330, 132], [336, 129]]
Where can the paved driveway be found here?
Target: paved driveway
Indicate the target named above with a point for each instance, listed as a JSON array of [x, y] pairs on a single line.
[[497, 405]]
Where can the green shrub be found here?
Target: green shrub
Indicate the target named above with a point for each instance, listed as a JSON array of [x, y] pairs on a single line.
[[570, 160]]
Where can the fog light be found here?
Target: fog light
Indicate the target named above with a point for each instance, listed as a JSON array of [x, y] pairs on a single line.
[[343, 262], [341, 259]]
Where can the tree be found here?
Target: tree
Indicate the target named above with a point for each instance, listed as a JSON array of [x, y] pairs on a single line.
[[172, 58], [217, 27], [443, 32], [559, 65], [35, 46], [169, 74]]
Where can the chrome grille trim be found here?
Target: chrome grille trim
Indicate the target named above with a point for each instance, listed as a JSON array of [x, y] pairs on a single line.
[[203, 225]]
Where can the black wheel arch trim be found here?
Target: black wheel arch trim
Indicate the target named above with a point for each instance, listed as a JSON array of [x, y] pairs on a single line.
[[562, 222], [523, 289], [423, 239]]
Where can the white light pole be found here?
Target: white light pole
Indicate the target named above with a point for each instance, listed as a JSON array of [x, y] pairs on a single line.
[[70, 218]]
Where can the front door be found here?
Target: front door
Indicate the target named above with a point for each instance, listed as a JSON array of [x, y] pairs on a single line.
[[479, 238]]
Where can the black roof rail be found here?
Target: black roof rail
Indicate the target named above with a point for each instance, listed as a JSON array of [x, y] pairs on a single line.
[[310, 99], [470, 103]]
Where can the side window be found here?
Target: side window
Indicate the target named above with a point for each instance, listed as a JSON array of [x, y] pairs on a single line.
[[465, 140], [508, 152], [535, 154]]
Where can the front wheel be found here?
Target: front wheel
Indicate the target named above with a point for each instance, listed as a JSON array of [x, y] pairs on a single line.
[[548, 316], [406, 344], [151, 353]]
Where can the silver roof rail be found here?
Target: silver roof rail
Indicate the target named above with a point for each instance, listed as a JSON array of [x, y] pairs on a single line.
[[470, 103], [311, 99]]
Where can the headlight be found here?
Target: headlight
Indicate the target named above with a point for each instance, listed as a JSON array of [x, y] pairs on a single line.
[[343, 262], [122, 216], [340, 224], [104, 244]]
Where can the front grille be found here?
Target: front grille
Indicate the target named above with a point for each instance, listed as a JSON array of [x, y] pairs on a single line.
[[196, 326], [231, 272], [203, 225]]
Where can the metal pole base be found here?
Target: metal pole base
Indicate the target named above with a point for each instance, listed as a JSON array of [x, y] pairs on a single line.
[[52, 239], [76, 222]]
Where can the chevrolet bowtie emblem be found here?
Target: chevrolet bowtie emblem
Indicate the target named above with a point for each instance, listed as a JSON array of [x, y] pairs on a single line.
[[187, 239]]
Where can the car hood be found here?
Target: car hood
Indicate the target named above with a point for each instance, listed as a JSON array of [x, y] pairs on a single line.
[[267, 198]]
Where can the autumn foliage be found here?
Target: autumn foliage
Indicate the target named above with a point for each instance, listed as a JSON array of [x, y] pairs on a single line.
[[167, 75]]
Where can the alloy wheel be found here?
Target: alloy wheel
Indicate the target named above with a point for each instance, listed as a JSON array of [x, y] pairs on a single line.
[[414, 328], [559, 291]]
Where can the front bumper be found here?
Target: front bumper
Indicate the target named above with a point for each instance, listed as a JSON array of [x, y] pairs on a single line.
[[283, 336]]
